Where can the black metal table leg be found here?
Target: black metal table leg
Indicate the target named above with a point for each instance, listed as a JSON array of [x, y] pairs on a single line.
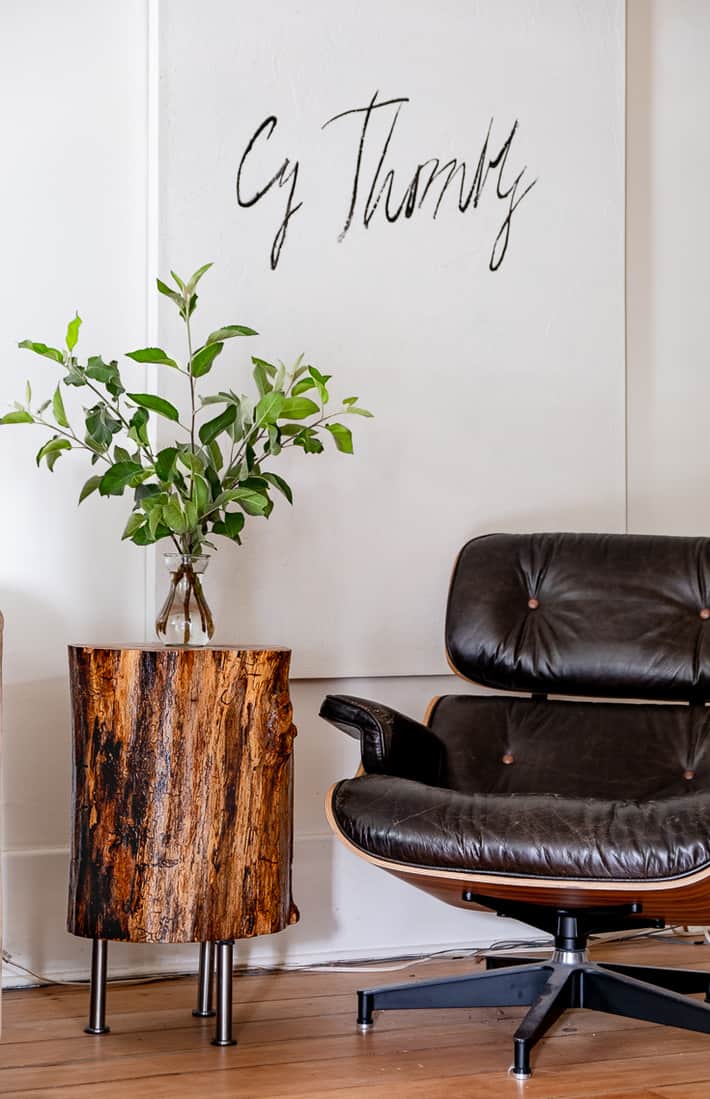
[[97, 1001], [205, 982], [223, 1028]]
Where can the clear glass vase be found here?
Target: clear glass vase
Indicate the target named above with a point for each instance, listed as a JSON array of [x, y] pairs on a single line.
[[185, 618]]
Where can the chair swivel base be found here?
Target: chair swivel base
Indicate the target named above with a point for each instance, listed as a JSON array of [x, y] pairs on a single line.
[[549, 987]]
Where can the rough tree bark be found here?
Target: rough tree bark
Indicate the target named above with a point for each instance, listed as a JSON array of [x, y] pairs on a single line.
[[182, 793]]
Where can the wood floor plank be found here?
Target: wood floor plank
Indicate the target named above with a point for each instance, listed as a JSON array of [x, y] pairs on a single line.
[[297, 1040]]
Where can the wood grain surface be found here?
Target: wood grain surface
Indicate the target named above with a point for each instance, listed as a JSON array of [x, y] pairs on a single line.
[[182, 793], [297, 1039]]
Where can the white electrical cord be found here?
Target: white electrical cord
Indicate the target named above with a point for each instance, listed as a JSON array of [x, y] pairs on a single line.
[[44, 980], [510, 946]]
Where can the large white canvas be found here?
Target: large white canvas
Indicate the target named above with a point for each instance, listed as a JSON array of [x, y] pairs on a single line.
[[498, 394]]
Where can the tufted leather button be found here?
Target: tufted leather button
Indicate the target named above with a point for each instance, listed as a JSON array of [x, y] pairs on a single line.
[[535, 603], [688, 775], [705, 613], [508, 758]]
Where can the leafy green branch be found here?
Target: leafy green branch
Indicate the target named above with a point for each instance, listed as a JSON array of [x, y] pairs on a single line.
[[212, 477]]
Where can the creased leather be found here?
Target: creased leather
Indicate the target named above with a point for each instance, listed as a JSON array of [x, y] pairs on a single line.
[[618, 615], [565, 789], [545, 835], [595, 790], [390, 742]]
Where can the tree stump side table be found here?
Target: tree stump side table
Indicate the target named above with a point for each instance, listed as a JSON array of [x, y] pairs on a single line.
[[182, 794]]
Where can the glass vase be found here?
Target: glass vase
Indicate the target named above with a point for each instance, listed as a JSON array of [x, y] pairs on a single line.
[[185, 618]]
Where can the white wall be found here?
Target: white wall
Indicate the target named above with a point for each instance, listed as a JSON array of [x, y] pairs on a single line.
[[78, 235], [479, 379], [668, 243], [72, 196], [75, 235]]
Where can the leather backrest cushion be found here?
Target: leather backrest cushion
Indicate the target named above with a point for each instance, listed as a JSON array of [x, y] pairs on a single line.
[[606, 615]]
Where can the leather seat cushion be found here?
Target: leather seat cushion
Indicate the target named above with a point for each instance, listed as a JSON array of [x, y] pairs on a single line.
[[523, 834], [594, 790]]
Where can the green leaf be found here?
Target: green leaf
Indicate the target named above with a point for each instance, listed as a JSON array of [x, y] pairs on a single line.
[[297, 408], [42, 349], [120, 454], [268, 367], [352, 411], [190, 514], [317, 376], [138, 431], [51, 450], [28, 394], [107, 373], [228, 332], [274, 440], [73, 332], [58, 409], [308, 441], [280, 484], [165, 463], [216, 455], [349, 400], [215, 427], [233, 524], [89, 486], [174, 518], [253, 503], [156, 404], [202, 494], [143, 537], [101, 426], [155, 518], [115, 479], [269, 408], [19, 417], [178, 280], [262, 380], [213, 481], [203, 358], [135, 522], [151, 355], [169, 292], [149, 494], [197, 276], [303, 386], [343, 437], [194, 462], [298, 368], [75, 375]]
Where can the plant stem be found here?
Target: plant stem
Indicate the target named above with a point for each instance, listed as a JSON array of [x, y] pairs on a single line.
[[188, 540], [70, 435]]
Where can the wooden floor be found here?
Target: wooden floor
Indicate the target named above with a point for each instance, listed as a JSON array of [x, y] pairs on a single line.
[[297, 1038]]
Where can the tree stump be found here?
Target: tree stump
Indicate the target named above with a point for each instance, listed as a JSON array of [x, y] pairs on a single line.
[[182, 789]]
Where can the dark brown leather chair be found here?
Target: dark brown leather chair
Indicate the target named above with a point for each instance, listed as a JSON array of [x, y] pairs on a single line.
[[573, 816]]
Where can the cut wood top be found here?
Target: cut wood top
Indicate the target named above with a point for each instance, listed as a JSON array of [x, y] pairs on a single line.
[[158, 647]]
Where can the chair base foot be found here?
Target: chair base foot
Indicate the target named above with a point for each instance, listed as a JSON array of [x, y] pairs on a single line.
[[204, 1014], [223, 1042], [97, 1030], [549, 988]]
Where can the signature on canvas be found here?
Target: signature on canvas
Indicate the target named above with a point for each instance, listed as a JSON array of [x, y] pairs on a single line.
[[431, 184]]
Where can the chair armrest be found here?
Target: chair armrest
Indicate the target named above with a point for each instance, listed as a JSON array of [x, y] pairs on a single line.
[[390, 742]]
